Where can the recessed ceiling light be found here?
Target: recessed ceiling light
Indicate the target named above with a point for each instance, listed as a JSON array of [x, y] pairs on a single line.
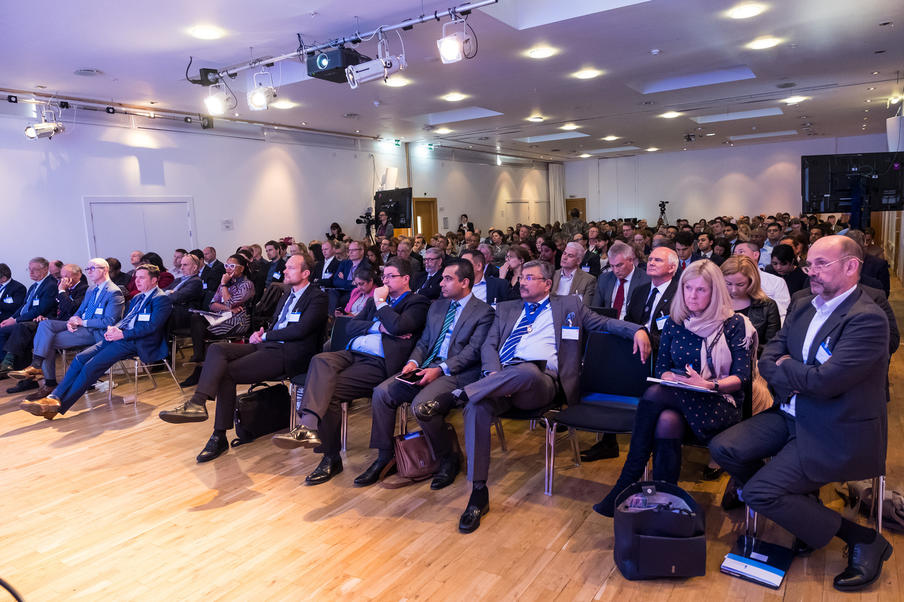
[[88, 72], [206, 32], [746, 10], [283, 103], [875, 73], [584, 155], [541, 52], [869, 100], [710, 134], [871, 88], [454, 97], [443, 131], [671, 114], [569, 126], [397, 81], [793, 100], [588, 73], [652, 149], [536, 118], [611, 138], [764, 42]]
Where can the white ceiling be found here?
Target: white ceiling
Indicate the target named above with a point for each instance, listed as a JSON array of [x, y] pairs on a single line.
[[829, 54]]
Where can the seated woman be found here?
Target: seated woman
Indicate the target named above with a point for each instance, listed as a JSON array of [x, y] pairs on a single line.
[[375, 258], [784, 264], [742, 278], [704, 344], [510, 271], [364, 290], [234, 295]]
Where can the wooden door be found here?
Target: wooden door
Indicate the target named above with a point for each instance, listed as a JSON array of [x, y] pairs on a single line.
[[425, 219], [579, 204]]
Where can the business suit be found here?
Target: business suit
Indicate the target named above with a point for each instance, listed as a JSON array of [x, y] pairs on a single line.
[[12, 296], [334, 376], [275, 271], [663, 305], [494, 289], [184, 295], [462, 362], [427, 285], [524, 385], [324, 270], [713, 257], [145, 337], [210, 276], [22, 336], [40, 300], [491, 270], [591, 263], [284, 353], [605, 287], [582, 284], [344, 276], [839, 432]]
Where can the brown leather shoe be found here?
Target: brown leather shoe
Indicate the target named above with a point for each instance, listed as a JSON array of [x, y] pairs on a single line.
[[41, 393], [46, 407], [30, 373]]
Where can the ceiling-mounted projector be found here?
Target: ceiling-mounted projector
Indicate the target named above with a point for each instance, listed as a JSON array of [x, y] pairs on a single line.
[[380, 68]]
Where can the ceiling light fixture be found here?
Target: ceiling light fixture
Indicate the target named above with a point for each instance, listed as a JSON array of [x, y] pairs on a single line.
[[746, 10], [263, 93], [284, 103], [454, 97], [456, 45], [671, 114], [584, 155], [764, 42], [569, 126], [652, 149], [397, 81], [611, 138], [536, 118], [541, 52], [379, 68], [206, 32], [216, 100], [443, 131], [587, 73], [49, 127], [793, 100]]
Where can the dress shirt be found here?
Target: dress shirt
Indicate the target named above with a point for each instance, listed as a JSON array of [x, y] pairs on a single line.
[[372, 342], [824, 310], [624, 307], [479, 290], [657, 292], [540, 342], [565, 281]]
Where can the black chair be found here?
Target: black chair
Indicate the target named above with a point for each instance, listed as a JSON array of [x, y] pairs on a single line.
[[608, 312], [613, 380]]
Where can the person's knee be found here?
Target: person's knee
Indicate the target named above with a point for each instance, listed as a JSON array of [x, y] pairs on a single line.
[[721, 448], [759, 495]]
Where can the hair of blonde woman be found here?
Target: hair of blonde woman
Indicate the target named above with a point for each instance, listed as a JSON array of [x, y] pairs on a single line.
[[741, 264], [719, 307]]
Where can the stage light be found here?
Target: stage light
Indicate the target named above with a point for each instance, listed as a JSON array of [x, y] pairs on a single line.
[[12, 98], [379, 68], [110, 110], [452, 45], [262, 92], [215, 103], [48, 128]]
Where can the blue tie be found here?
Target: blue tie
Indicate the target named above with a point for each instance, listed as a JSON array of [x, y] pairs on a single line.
[[447, 323], [33, 291], [531, 311], [89, 310], [137, 304], [290, 302]]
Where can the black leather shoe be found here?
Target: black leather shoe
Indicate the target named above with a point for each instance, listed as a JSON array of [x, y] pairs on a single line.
[[239, 441], [601, 450], [376, 472], [730, 499], [711, 474], [448, 470], [187, 412], [864, 564], [800, 548], [300, 436], [216, 447], [22, 386], [193, 378], [326, 470], [4, 372], [470, 518]]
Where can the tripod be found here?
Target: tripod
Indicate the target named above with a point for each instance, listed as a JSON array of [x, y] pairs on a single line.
[[663, 218]]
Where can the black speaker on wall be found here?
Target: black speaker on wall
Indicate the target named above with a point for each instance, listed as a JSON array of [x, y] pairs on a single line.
[[397, 205]]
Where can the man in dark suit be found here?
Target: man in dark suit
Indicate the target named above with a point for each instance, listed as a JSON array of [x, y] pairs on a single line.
[[275, 254], [40, 300], [12, 293], [101, 306], [489, 289], [344, 277], [684, 247], [324, 270], [282, 351], [570, 279], [616, 287], [533, 351], [185, 294], [446, 357], [383, 335], [490, 268], [874, 267], [427, 282], [211, 272], [141, 332], [705, 242], [827, 367]]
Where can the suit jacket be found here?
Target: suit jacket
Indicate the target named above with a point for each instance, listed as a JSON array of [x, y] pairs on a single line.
[[44, 302], [716, 259], [463, 356], [877, 268], [189, 295], [211, 275], [347, 281], [583, 284], [407, 317], [12, 299], [569, 352], [606, 285], [842, 424], [68, 302], [300, 340], [491, 270], [497, 289], [591, 260], [149, 335], [663, 307], [428, 287], [111, 304], [275, 271], [331, 265]]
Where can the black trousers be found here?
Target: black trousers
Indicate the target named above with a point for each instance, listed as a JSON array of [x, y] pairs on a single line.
[[22, 338]]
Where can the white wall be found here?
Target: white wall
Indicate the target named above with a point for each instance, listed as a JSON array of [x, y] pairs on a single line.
[[739, 180]]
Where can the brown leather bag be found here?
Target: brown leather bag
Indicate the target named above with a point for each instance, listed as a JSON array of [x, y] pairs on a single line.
[[415, 459]]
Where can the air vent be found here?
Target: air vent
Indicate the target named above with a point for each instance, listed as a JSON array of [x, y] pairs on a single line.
[[88, 72]]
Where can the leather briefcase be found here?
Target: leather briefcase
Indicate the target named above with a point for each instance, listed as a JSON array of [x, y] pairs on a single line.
[[414, 457], [264, 409]]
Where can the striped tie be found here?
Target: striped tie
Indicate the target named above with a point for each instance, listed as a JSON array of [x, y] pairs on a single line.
[[447, 323], [531, 311]]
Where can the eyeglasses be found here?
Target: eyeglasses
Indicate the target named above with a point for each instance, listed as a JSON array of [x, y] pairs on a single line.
[[532, 278], [92, 268], [809, 268], [391, 276], [231, 266]]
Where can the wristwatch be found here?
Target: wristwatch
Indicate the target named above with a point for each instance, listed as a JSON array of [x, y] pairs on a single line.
[[716, 385]]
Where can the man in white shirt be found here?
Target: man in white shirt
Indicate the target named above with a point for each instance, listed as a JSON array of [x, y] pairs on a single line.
[[774, 286]]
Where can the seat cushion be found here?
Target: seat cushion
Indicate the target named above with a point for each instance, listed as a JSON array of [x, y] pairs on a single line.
[[602, 417]]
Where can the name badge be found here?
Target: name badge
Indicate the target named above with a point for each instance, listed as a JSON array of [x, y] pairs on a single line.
[[144, 317], [35, 303], [294, 317], [276, 274], [823, 354], [204, 285], [586, 268], [660, 322], [7, 299], [99, 311], [571, 333]]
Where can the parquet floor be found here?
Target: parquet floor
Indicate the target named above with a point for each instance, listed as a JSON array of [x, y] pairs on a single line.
[[107, 503]]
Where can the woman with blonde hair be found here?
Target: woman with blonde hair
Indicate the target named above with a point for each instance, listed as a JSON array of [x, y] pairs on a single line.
[[704, 344], [742, 278]]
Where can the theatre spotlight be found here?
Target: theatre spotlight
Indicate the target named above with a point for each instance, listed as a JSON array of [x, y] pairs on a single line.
[[48, 128], [216, 100], [379, 68], [456, 45], [263, 93]]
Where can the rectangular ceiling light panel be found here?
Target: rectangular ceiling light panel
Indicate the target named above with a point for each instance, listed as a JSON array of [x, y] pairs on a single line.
[[695, 80], [763, 135], [738, 115], [525, 14], [463, 114], [616, 149], [551, 137]]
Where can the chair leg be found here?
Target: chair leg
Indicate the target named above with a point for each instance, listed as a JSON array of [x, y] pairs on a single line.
[[878, 498], [293, 396], [173, 374], [343, 429], [110, 384], [550, 457], [575, 449], [531, 425], [402, 418], [498, 424], [751, 528], [173, 351]]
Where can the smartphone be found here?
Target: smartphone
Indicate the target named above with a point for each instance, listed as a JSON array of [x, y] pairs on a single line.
[[411, 378], [678, 372]]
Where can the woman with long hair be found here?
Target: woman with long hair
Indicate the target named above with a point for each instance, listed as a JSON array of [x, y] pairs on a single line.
[[742, 278]]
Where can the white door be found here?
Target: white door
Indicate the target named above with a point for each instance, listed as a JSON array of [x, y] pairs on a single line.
[[119, 225]]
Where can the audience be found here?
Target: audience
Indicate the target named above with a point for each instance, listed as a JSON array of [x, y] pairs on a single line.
[[40, 301], [510, 271], [12, 293], [742, 278], [570, 279], [783, 263]]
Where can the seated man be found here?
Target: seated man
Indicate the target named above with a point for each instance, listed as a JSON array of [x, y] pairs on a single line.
[[426, 283], [446, 357], [487, 288], [384, 334], [39, 301], [532, 352], [141, 332], [570, 279], [615, 288], [12, 293], [185, 293], [70, 294], [101, 306], [283, 350], [827, 366]]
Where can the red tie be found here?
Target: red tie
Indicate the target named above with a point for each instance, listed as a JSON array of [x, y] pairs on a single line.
[[619, 296], [683, 264]]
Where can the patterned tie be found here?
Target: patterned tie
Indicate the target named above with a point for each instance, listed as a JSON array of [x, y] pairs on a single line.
[[89, 310], [619, 296], [648, 308], [127, 322], [31, 294], [447, 323], [531, 311], [283, 315]]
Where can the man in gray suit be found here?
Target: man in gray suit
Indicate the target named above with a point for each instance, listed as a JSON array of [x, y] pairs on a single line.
[[102, 307], [827, 367], [570, 279], [446, 357], [616, 287], [185, 293], [532, 352]]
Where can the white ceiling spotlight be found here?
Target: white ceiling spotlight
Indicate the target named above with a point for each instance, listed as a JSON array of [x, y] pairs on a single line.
[[793, 100], [747, 10], [379, 68], [262, 93], [49, 127], [216, 100], [456, 44]]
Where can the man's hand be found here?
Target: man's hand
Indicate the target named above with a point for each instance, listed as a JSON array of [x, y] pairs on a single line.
[[398, 336], [408, 368], [64, 285], [256, 337], [381, 294], [113, 334], [642, 345], [39, 319], [428, 375], [7, 322]]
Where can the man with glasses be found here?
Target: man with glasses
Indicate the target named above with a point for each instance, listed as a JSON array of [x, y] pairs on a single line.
[[381, 339], [827, 367], [532, 352], [185, 293], [427, 283], [40, 301], [344, 278], [101, 306]]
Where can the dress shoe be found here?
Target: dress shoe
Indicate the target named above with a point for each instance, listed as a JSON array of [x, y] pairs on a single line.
[[731, 500], [376, 472], [4, 371], [300, 436], [601, 450], [193, 378], [800, 548], [864, 564], [711, 474], [187, 412], [478, 506], [24, 385], [29, 373], [326, 470], [41, 393], [448, 470], [216, 446], [239, 441], [46, 407]]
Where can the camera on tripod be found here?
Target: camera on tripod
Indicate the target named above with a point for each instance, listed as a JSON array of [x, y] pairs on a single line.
[[662, 205], [367, 218]]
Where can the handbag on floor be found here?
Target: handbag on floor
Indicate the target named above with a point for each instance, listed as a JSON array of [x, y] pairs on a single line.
[[659, 532], [264, 409], [414, 457]]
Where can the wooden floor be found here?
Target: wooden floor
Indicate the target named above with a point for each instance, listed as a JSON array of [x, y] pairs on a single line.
[[107, 503]]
